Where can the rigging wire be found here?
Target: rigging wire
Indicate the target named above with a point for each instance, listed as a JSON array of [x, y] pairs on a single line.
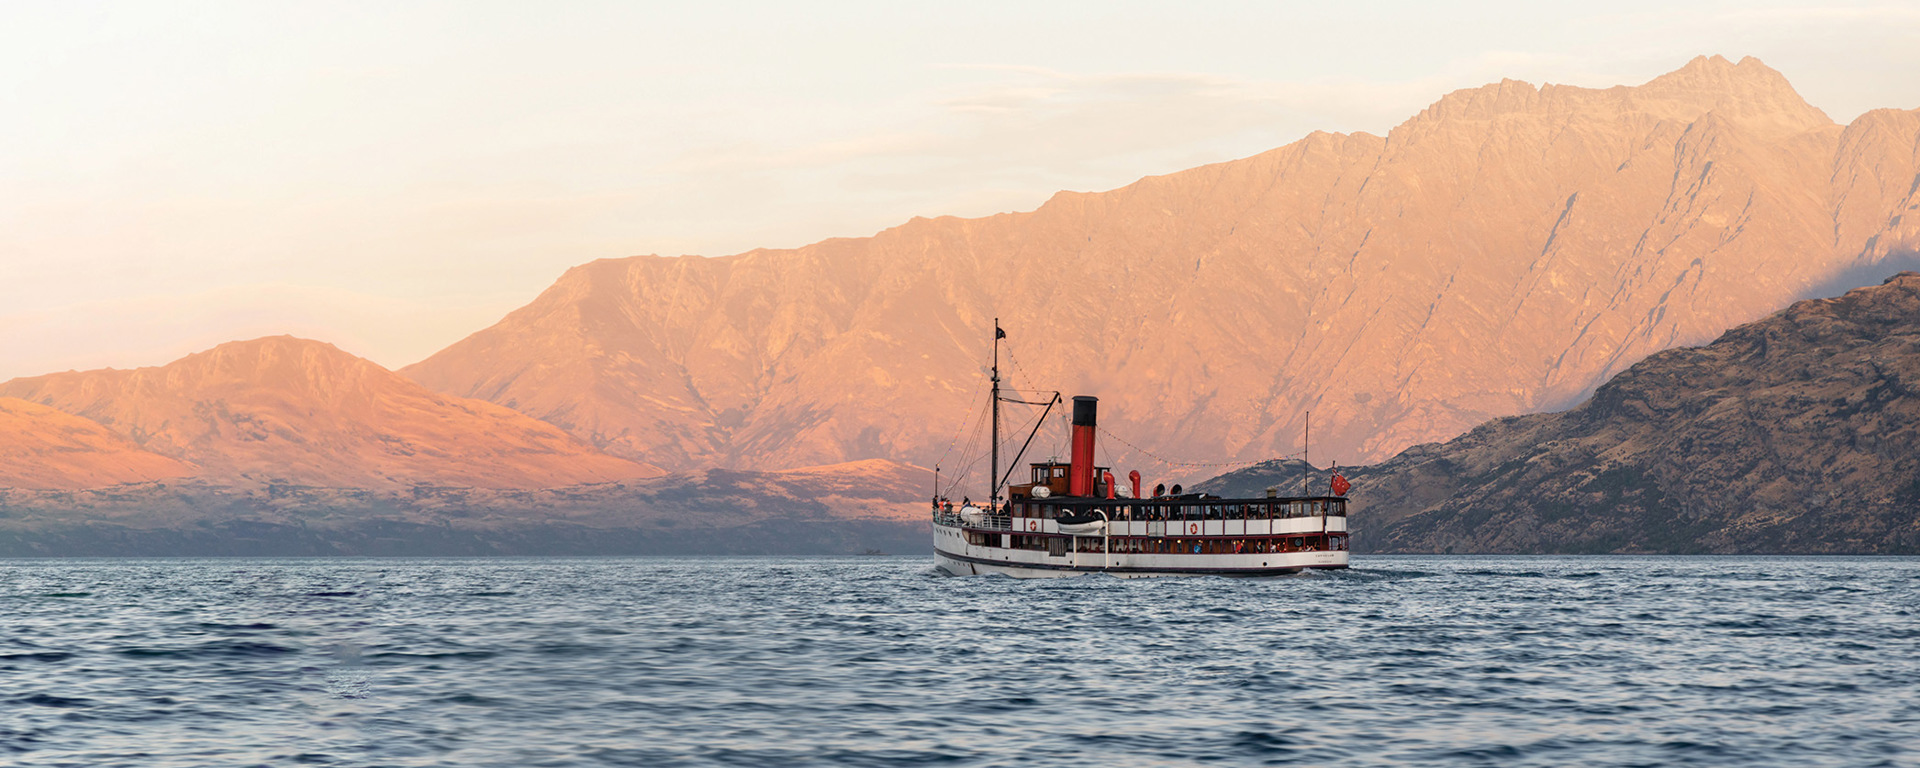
[[973, 439], [973, 448], [1007, 471], [1007, 380], [956, 434], [960, 427], [1016, 361], [1059, 439], [1192, 464]]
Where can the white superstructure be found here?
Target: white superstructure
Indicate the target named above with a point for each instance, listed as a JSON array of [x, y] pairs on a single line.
[[1144, 537]]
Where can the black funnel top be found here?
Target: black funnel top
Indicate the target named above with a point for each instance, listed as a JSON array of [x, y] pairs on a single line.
[[1084, 408]]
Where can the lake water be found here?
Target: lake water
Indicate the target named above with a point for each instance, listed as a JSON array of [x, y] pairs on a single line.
[[1546, 661]]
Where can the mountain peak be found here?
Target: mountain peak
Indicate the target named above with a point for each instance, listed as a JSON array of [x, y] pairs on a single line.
[[1749, 90], [1705, 64], [284, 409], [281, 344], [270, 351], [1716, 74], [1748, 93]]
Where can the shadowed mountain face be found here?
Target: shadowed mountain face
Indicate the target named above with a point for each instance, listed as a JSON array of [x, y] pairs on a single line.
[[287, 410], [1798, 433], [1503, 252], [41, 448]]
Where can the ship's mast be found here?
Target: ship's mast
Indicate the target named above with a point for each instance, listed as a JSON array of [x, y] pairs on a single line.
[[993, 471], [1306, 453]]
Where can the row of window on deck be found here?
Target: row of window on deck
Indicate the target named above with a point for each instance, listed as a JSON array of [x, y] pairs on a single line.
[[1059, 545], [1152, 511]]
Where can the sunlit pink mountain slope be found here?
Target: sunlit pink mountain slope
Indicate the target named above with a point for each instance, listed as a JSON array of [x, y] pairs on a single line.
[[288, 410], [45, 449], [1502, 252]]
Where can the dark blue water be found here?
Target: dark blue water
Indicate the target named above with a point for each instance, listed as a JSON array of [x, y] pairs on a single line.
[[875, 661]]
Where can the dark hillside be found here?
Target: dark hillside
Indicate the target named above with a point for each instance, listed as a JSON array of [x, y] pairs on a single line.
[[1799, 433]]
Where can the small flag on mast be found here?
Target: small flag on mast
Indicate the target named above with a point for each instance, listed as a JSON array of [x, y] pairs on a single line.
[[999, 333]]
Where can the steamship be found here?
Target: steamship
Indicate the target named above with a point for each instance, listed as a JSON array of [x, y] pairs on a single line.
[[1070, 518]]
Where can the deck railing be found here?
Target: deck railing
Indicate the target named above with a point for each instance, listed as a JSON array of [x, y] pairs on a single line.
[[1156, 510], [1151, 510], [985, 522]]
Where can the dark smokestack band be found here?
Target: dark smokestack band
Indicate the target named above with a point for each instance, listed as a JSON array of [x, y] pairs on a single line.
[[1084, 409]]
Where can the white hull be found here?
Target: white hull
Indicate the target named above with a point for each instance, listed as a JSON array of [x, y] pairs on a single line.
[[953, 567], [953, 555]]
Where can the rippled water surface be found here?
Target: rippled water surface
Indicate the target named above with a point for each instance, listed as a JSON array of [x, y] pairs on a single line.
[[876, 661]]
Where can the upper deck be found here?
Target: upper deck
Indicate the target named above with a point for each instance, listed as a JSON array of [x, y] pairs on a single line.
[[1045, 497], [1189, 507], [1192, 509]]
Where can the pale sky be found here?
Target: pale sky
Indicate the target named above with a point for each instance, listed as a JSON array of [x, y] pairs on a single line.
[[391, 176]]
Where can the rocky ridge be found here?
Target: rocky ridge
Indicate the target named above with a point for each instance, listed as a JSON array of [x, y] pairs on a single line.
[[42, 449], [1799, 433], [284, 446], [1502, 252], [283, 410]]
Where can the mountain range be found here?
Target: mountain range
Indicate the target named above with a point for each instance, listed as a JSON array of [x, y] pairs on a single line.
[[1799, 433], [294, 411], [1502, 252]]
